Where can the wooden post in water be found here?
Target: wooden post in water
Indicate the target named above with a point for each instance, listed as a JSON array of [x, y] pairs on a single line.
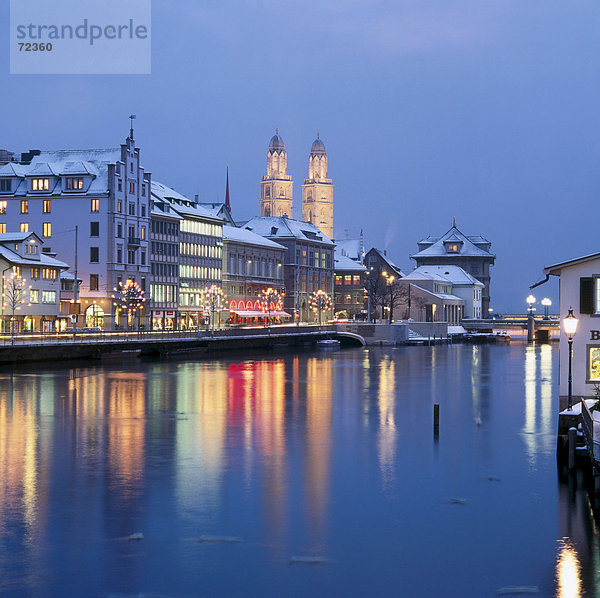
[[436, 420], [572, 442]]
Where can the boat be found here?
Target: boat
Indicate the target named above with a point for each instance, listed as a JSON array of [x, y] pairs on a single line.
[[328, 343]]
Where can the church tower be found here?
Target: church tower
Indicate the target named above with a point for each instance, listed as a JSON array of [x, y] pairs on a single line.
[[317, 191], [276, 187]]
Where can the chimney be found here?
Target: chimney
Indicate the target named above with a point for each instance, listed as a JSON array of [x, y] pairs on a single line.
[[385, 252], [196, 198]]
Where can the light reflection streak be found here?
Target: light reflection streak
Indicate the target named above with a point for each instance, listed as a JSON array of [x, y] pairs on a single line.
[[568, 571], [387, 425]]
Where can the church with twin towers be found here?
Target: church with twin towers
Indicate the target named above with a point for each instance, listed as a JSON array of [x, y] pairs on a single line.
[[276, 187]]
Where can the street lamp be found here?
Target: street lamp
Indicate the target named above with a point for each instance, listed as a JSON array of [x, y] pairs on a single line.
[[570, 325], [546, 303], [530, 301]]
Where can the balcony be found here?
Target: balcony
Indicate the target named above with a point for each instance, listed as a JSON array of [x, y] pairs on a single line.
[[134, 241]]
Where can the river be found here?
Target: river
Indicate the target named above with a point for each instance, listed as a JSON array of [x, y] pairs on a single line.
[[292, 474]]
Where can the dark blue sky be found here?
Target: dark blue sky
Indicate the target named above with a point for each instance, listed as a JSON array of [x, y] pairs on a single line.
[[483, 110]]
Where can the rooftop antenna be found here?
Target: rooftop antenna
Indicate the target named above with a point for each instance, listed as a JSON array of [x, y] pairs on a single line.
[[131, 119], [453, 221]]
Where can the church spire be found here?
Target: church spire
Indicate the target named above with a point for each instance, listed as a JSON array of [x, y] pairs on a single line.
[[227, 204]]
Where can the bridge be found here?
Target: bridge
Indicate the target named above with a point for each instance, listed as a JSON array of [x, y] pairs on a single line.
[[538, 327], [56, 347]]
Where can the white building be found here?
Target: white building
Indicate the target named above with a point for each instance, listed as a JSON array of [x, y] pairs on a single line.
[[463, 285], [30, 284], [105, 194], [579, 290]]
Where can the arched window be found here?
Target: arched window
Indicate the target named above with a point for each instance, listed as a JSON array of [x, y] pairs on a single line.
[[241, 305], [94, 316], [267, 192], [233, 304], [257, 304]]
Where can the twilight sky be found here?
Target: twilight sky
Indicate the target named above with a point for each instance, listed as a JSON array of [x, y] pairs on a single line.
[[486, 110]]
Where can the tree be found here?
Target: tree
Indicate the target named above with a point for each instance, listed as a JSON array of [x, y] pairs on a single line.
[[128, 301], [318, 302], [271, 300], [213, 300], [13, 296]]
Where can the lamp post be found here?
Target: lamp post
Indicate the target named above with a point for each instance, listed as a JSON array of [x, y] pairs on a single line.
[[546, 303], [570, 325], [530, 301]]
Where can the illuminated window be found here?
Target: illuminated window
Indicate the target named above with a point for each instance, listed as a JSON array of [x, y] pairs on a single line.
[[40, 184], [94, 205], [48, 296], [34, 296], [24, 227], [2, 207], [348, 279], [47, 229], [74, 183], [119, 207], [94, 282], [356, 279], [24, 206], [143, 233], [35, 272], [17, 271], [2, 227], [131, 187], [46, 206], [339, 279], [452, 247], [594, 363]]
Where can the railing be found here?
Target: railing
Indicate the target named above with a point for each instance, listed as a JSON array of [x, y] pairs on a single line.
[[591, 431]]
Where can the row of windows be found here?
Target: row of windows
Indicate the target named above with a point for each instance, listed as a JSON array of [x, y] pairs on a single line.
[[348, 299], [47, 296], [318, 259], [131, 186], [160, 248], [160, 227], [164, 269], [130, 208], [347, 279], [201, 272], [202, 228], [255, 267], [46, 273], [201, 250], [162, 293]]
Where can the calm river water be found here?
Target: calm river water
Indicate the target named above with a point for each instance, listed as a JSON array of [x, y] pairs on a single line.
[[286, 456]]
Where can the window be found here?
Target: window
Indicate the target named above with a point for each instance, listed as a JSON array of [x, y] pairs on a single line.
[[74, 183], [2, 227], [2, 207], [131, 256], [40, 184], [143, 210], [143, 258], [94, 255], [119, 230], [119, 255], [348, 279], [94, 229], [143, 190], [132, 209], [143, 233], [94, 282], [48, 296], [131, 234], [452, 247], [5, 185], [95, 205], [24, 227], [49, 273], [120, 186], [24, 206], [34, 296], [17, 271], [47, 207], [47, 229], [119, 206], [35, 272], [131, 186]]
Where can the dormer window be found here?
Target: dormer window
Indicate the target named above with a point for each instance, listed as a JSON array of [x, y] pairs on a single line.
[[74, 183], [452, 247], [5, 185], [40, 184]]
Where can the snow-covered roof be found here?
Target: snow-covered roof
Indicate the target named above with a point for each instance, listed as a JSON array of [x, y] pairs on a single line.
[[345, 263], [178, 202], [44, 260], [554, 269], [17, 237], [280, 227], [352, 248], [242, 235], [435, 246], [388, 261], [442, 296], [447, 273]]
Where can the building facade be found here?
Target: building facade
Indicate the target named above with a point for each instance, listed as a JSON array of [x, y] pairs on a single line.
[[30, 297], [251, 264], [317, 191], [164, 263], [93, 204], [471, 253], [308, 262], [276, 187], [349, 288], [200, 254]]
